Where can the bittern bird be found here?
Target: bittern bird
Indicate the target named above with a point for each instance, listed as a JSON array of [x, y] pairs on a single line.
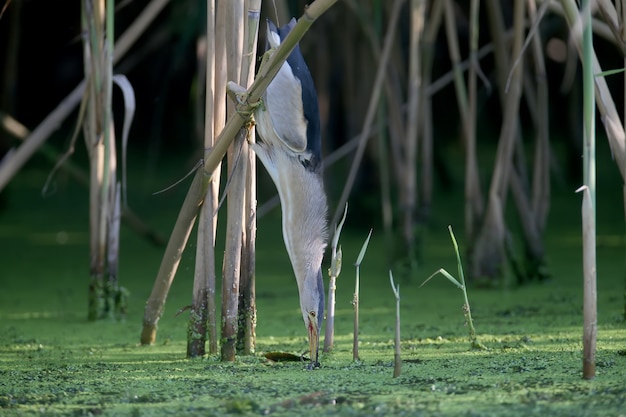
[[290, 149]]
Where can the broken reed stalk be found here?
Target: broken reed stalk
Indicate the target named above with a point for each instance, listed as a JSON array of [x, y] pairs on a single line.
[[195, 195], [333, 272], [355, 299], [397, 360], [589, 200]]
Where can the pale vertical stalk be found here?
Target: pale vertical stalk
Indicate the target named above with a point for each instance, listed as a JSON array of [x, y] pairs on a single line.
[[355, 305], [247, 296], [473, 197], [397, 359], [111, 231], [488, 255], [589, 200], [171, 258], [115, 305], [355, 299], [96, 142], [204, 273], [604, 101], [110, 166], [431, 30], [541, 174], [385, 117], [89, 132], [333, 271], [236, 190], [9, 88], [418, 10], [473, 194], [219, 121]]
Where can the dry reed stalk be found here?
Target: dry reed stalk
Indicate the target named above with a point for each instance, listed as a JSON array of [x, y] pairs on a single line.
[[397, 359], [409, 185], [195, 195], [97, 21], [590, 309], [466, 101], [590, 312], [604, 100], [473, 194], [9, 167], [116, 296], [488, 254], [231, 269], [541, 171], [425, 191], [219, 122], [10, 66], [390, 127], [171, 258], [247, 298], [204, 273]]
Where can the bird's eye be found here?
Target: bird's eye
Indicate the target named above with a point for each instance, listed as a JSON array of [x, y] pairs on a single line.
[[313, 313]]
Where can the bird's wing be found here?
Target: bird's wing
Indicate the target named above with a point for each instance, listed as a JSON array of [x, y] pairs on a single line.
[[283, 103]]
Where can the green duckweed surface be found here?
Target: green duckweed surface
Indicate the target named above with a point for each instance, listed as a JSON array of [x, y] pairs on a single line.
[[53, 362]]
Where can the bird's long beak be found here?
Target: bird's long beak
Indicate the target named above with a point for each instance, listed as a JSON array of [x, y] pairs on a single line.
[[314, 340]]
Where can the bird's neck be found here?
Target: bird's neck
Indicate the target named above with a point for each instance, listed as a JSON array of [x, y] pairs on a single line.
[[304, 209]]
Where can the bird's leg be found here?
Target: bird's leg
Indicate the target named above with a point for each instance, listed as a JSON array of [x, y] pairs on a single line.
[[239, 95]]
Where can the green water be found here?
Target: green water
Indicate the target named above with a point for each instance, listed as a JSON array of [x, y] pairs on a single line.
[[54, 362]]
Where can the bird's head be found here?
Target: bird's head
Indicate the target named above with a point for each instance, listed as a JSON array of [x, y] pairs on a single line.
[[312, 305]]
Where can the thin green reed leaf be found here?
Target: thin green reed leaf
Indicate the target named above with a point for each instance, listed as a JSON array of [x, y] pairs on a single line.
[[396, 289], [445, 274], [458, 256], [339, 227], [364, 249], [610, 72]]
